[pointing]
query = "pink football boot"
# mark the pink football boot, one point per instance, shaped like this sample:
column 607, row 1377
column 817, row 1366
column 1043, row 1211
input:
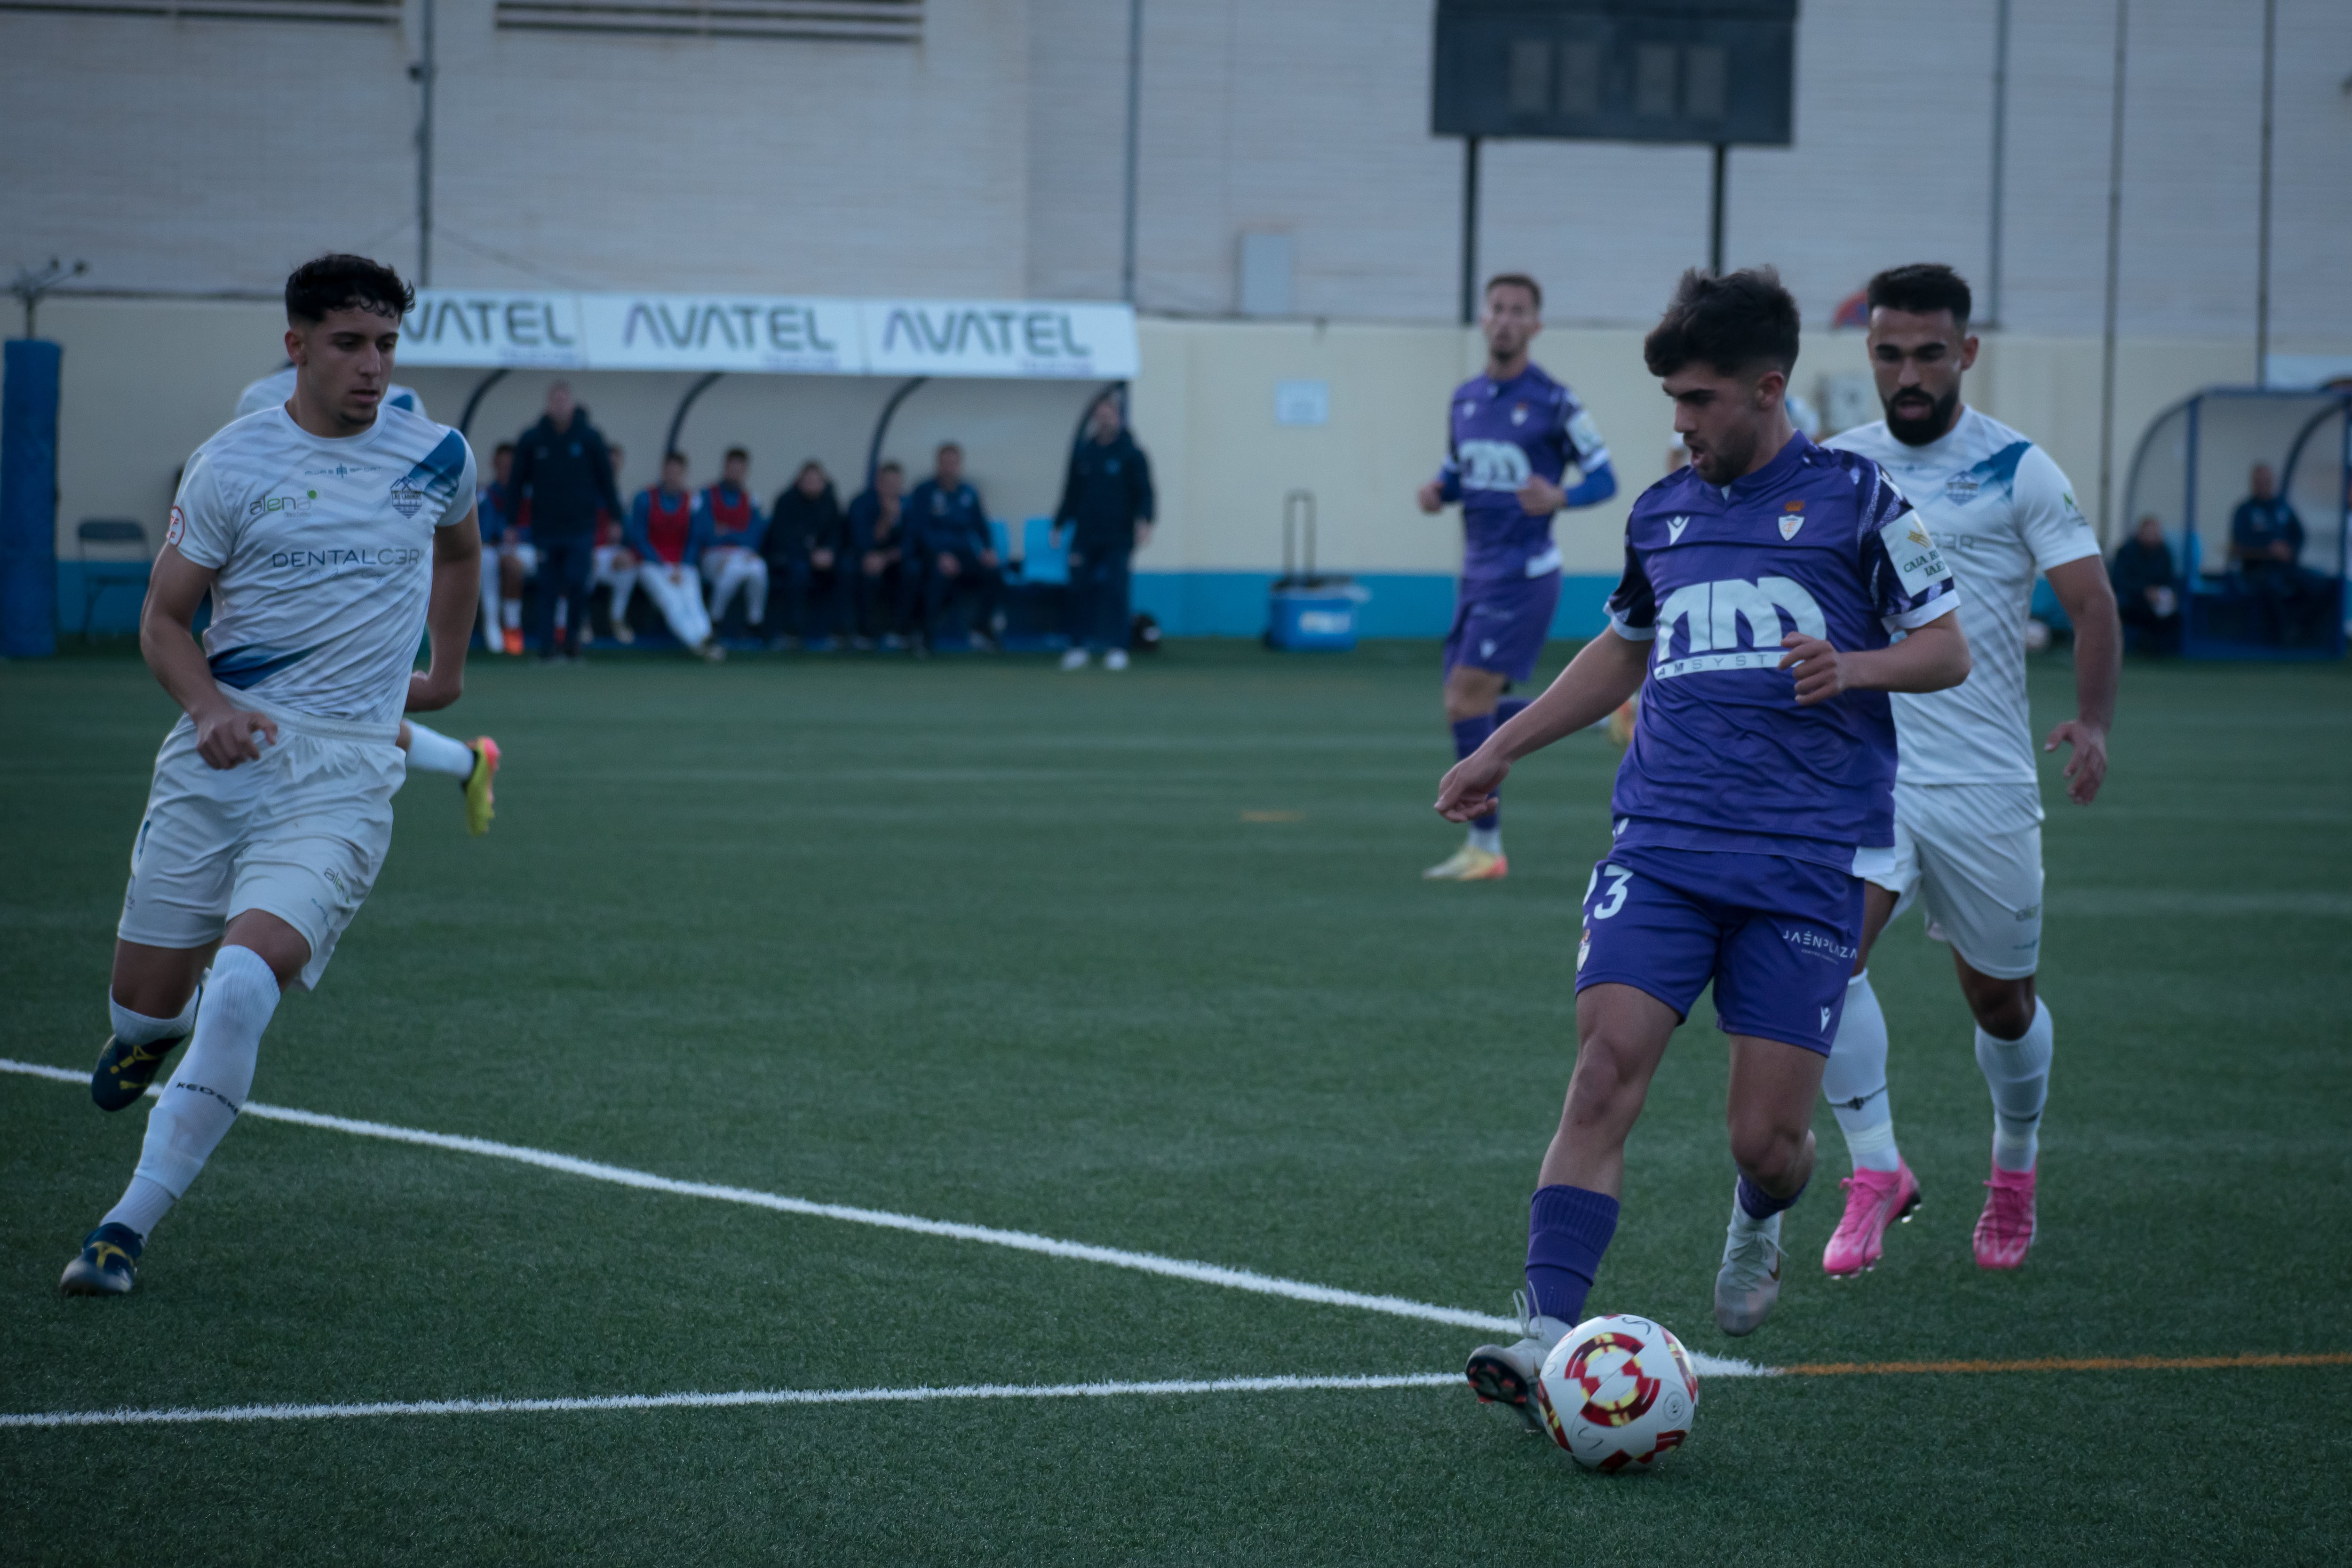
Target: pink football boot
column 2005, row 1229
column 1873, row 1199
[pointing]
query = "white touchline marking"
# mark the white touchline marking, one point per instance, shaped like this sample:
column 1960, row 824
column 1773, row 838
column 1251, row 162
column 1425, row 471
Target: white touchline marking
column 127, row 1418
column 1021, row 1240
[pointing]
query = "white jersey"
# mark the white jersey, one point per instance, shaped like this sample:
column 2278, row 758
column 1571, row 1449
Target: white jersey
column 272, row 391
column 323, row 550
column 2000, row 510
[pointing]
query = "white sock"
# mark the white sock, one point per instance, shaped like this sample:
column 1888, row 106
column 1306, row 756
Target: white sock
column 206, row 1093
column 511, row 615
column 138, row 1029
column 1487, row 839
column 2018, row 1073
column 1854, row 1081
column 436, row 753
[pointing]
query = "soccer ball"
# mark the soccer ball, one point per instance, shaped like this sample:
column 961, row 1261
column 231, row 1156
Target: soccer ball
column 1617, row 1393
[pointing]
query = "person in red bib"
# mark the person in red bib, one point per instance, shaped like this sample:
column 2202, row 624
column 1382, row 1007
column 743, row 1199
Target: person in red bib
column 668, row 532
column 731, row 561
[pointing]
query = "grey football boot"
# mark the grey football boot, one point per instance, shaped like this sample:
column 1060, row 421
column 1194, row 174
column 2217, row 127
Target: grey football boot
column 1749, row 1280
column 1504, row 1375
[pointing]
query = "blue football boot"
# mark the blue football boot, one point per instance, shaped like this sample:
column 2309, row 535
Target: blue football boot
column 125, row 1071
column 108, row 1264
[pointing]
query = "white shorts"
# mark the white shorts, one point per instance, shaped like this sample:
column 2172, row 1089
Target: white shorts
column 301, row 834
column 1973, row 852
column 524, row 555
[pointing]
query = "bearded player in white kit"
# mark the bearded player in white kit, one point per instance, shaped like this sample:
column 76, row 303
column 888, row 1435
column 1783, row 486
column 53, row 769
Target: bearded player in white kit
column 1967, row 805
column 328, row 531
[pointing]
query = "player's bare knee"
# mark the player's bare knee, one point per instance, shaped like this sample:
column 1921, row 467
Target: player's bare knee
column 2003, row 1009
column 1769, row 1151
column 1607, row 1087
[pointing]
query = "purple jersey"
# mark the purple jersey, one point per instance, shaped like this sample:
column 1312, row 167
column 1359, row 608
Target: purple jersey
column 1817, row 541
column 1500, row 434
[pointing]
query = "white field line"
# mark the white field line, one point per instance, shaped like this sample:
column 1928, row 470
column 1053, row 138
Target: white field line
column 1020, row 1240
column 189, row 1416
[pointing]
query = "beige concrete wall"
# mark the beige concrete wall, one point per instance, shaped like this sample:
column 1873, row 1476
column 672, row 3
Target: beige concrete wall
column 147, row 380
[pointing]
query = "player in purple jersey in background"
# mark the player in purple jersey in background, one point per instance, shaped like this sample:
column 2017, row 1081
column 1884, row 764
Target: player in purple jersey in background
column 1763, row 586
column 1511, row 433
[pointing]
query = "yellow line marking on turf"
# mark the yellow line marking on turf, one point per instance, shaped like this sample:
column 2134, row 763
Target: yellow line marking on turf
column 2065, row 1364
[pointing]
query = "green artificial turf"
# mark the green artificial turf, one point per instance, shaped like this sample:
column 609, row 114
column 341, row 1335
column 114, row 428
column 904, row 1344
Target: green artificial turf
column 978, row 941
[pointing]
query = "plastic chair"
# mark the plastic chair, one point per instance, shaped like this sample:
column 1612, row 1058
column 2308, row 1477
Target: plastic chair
column 1000, row 539
column 97, row 576
column 1043, row 560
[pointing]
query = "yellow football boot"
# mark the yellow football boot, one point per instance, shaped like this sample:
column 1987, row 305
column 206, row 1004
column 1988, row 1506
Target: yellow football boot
column 479, row 797
column 1469, row 864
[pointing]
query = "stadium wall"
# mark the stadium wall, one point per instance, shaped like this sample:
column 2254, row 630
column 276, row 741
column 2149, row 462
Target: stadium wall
column 145, row 382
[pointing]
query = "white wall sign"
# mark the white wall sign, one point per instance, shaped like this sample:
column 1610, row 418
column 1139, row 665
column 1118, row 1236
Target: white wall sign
column 1302, row 403
column 772, row 334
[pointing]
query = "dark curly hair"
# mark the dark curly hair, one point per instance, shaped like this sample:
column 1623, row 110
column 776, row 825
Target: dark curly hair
column 1922, row 289
column 340, row 282
column 1737, row 323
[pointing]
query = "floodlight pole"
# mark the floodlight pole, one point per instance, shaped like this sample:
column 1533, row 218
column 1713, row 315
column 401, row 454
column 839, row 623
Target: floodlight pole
column 1715, row 211
column 423, row 71
column 1134, row 143
column 2262, row 258
column 1469, row 230
column 2000, row 161
column 2114, row 257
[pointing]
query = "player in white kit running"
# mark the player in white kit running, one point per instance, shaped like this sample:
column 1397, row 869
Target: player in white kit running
column 330, row 533
column 475, row 763
column 1968, row 803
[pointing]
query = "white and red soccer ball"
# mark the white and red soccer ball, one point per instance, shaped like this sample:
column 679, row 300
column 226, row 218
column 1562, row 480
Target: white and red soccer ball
column 1618, row 1393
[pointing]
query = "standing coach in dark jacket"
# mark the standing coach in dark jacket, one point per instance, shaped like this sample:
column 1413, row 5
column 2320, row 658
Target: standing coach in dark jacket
column 1106, row 510
column 563, row 468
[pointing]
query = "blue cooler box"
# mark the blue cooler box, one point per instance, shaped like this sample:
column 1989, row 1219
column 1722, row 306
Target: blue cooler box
column 1321, row 619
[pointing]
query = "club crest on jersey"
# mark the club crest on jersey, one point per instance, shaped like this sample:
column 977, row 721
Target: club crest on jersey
column 1961, row 488
column 1675, row 527
column 406, row 497
column 1519, row 413
column 1793, row 518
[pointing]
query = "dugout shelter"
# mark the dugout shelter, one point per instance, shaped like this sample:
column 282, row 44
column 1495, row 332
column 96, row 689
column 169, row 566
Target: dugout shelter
column 2191, row 469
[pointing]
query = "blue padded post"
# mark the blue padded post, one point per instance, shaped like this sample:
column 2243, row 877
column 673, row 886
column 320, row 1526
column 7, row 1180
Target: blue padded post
column 28, row 499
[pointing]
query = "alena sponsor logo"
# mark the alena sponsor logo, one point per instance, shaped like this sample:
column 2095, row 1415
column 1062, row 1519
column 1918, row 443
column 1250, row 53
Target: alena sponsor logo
column 338, row 558
column 262, row 506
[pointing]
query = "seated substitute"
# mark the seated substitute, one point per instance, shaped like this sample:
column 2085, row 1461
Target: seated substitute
column 2147, row 599
column 809, row 543
column 614, row 565
column 667, row 532
column 949, row 533
column 2265, row 544
column 886, row 577
column 731, row 562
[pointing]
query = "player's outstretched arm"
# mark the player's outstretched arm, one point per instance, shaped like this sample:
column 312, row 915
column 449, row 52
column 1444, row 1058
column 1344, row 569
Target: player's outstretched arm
column 2089, row 600
column 1604, row 673
column 167, row 641
column 449, row 615
column 1929, row 659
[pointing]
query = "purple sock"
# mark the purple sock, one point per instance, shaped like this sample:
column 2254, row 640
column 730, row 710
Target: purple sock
column 1569, row 1228
column 1761, row 1205
column 1469, row 734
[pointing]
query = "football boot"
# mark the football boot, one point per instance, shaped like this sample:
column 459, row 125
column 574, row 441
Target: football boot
column 2005, row 1229
column 1469, row 864
column 1749, row 1280
column 125, row 1071
column 1873, row 1199
column 1506, row 1374
column 481, row 798
column 108, row 1264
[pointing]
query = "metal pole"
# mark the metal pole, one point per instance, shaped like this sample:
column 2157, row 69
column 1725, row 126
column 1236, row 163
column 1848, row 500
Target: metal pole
column 2262, row 262
column 2114, row 255
column 1999, row 159
column 677, row 420
column 1134, row 143
column 882, row 425
column 1469, row 230
column 465, row 420
column 424, row 70
column 1714, row 213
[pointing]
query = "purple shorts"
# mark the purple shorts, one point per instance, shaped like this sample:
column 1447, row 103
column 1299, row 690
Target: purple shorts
column 1500, row 623
column 1775, row 937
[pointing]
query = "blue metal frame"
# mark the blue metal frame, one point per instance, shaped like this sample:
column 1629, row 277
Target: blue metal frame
column 2191, row 573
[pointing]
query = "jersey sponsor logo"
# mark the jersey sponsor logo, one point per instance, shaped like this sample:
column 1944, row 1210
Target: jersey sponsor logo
column 1675, row 527
column 1917, row 563
column 176, row 526
column 262, row 506
column 338, row 558
column 344, row 470
column 1494, row 465
column 1587, row 437
column 1818, row 945
column 1710, row 614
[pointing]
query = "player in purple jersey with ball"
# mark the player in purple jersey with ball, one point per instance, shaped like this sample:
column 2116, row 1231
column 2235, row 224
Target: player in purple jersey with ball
column 1512, row 433
column 1763, row 586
